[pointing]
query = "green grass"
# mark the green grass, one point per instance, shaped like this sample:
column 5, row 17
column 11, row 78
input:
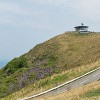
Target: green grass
column 92, row 93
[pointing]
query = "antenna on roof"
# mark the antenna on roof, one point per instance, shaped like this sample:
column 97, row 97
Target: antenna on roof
column 82, row 24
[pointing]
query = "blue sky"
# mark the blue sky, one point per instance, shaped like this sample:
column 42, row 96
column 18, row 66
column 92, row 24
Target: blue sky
column 25, row 23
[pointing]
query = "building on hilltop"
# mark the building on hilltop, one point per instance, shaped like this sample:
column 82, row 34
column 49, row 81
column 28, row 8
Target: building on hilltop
column 82, row 28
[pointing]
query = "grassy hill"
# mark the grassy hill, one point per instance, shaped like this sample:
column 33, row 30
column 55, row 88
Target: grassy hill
column 55, row 61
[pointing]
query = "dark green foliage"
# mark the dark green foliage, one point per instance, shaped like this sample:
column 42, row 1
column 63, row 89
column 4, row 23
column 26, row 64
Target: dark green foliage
column 32, row 76
column 9, row 75
column 15, row 64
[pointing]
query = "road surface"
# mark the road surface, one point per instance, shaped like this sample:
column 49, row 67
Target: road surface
column 75, row 83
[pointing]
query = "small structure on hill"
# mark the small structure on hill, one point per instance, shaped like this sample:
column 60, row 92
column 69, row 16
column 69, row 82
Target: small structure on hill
column 82, row 28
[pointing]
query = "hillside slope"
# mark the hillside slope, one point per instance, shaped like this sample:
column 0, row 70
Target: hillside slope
column 56, row 55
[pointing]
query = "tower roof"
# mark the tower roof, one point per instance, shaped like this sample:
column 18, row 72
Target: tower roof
column 81, row 26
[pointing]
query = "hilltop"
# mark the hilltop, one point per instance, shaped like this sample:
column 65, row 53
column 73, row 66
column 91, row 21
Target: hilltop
column 61, row 53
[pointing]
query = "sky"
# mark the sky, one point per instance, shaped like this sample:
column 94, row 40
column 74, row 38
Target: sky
column 26, row 23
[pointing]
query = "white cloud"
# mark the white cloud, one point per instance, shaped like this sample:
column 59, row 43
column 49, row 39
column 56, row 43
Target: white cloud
column 85, row 8
column 15, row 9
column 88, row 9
column 5, row 21
column 10, row 13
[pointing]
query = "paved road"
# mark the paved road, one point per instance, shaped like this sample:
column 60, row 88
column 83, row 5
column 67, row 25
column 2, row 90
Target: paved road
column 75, row 83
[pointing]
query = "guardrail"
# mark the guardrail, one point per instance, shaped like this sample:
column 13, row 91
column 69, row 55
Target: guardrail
column 74, row 83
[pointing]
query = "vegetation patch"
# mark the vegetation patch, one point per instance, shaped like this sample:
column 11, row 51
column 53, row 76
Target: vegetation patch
column 92, row 93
